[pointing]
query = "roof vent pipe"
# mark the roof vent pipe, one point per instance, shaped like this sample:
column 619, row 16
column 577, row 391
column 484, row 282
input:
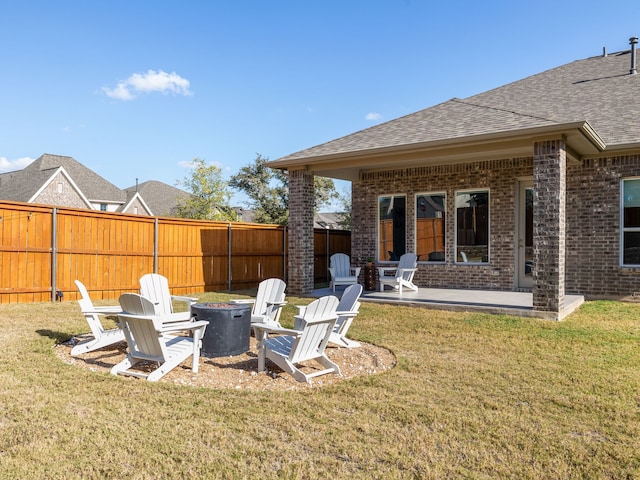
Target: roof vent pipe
column 633, row 41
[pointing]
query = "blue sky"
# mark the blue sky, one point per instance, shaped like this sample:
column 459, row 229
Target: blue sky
column 138, row 88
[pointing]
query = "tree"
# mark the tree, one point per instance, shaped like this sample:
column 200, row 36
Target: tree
column 209, row 194
column 344, row 217
column 268, row 191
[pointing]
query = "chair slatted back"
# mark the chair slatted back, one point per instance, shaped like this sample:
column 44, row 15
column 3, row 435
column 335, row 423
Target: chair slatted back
column 316, row 326
column 341, row 264
column 269, row 291
column 141, row 327
column 408, row 260
column 155, row 287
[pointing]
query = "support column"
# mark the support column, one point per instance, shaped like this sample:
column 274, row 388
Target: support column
column 301, row 194
column 549, row 226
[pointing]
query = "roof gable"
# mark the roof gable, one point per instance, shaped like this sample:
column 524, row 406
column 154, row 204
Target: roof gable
column 22, row 185
column 160, row 198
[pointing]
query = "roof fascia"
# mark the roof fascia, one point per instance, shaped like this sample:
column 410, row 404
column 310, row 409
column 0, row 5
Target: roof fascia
column 581, row 140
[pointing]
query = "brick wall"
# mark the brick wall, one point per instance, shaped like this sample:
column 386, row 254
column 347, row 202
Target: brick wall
column 593, row 228
column 498, row 176
column 592, row 221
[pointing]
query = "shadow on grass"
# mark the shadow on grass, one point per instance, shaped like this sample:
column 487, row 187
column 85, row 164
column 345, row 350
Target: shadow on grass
column 59, row 337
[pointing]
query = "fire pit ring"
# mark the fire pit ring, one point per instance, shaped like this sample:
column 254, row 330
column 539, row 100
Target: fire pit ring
column 229, row 329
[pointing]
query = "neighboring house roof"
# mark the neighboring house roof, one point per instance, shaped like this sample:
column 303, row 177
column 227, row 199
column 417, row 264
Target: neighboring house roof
column 160, row 198
column 593, row 102
column 328, row 220
column 22, row 185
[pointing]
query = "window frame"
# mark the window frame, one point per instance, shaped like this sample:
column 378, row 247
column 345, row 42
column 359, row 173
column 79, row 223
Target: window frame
column 443, row 194
column 378, row 220
column 455, row 239
column 624, row 229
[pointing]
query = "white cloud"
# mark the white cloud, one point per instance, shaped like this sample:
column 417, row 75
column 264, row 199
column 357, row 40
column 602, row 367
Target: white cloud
column 13, row 165
column 151, row 81
column 373, row 116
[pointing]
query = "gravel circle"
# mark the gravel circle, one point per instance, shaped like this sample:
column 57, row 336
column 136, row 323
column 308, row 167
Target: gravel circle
column 240, row 371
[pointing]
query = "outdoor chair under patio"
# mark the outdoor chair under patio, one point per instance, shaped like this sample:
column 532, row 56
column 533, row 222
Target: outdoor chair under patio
column 403, row 274
column 288, row 348
column 268, row 303
column 341, row 271
column 149, row 339
column 101, row 337
column 155, row 288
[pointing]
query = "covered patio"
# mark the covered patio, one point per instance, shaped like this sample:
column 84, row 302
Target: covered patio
column 519, row 304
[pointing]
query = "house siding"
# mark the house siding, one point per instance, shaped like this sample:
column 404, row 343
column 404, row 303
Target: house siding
column 69, row 197
column 592, row 226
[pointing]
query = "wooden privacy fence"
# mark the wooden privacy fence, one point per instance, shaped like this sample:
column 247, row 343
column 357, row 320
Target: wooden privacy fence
column 43, row 249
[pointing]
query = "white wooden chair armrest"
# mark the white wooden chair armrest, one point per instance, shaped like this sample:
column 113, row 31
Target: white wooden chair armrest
column 347, row 314
column 408, row 269
column 246, row 301
column 272, row 329
column 383, row 270
column 277, row 304
column 104, row 310
column 180, row 298
column 179, row 326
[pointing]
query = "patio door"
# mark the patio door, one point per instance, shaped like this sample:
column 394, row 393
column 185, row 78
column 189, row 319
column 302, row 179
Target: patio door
column 524, row 234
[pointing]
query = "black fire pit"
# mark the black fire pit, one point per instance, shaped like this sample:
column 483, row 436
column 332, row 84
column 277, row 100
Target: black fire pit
column 229, row 328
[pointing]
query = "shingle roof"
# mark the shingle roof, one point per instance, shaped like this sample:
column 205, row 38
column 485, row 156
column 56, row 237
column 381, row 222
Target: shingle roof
column 598, row 90
column 20, row 186
column 161, row 198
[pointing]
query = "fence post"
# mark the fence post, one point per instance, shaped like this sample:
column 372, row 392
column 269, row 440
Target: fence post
column 156, row 241
column 54, row 253
column 284, row 253
column 229, row 259
column 326, row 271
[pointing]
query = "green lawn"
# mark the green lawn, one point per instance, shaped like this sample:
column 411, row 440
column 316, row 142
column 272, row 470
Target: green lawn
column 472, row 396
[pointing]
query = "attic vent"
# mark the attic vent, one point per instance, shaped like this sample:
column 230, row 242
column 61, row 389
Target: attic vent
column 633, row 41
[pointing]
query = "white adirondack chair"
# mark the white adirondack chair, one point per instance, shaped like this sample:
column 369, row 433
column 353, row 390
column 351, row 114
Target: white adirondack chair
column 155, row 287
column 287, row 348
column 268, row 303
column 341, row 271
column 403, row 274
column 346, row 311
column 147, row 339
column 101, row 337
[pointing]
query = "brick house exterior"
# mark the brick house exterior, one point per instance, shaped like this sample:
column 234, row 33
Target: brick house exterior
column 537, row 182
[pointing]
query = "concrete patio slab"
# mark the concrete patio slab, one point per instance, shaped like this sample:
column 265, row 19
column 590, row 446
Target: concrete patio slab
column 486, row 301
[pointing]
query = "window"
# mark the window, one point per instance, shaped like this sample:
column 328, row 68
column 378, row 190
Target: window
column 103, row 207
column 60, row 187
column 472, row 226
column 430, row 226
column 391, row 228
column 630, row 220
